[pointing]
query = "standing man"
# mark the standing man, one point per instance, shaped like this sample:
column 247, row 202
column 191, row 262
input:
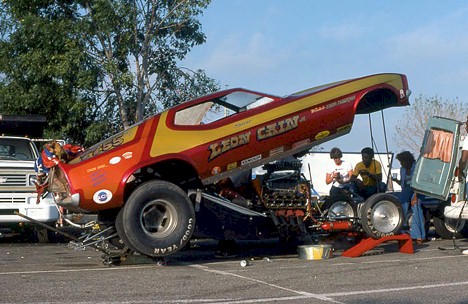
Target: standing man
column 370, row 171
column 462, row 165
column 339, row 172
column 464, row 157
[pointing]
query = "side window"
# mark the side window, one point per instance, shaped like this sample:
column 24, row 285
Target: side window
column 201, row 114
column 439, row 145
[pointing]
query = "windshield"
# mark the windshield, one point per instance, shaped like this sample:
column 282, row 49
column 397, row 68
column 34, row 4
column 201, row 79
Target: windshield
column 220, row 107
column 16, row 149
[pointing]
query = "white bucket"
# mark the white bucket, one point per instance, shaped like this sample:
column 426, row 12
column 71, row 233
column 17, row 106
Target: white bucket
column 315, row 252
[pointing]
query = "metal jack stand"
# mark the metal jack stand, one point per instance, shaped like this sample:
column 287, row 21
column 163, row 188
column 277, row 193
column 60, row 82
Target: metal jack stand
column 96, row 240
column 75, row 240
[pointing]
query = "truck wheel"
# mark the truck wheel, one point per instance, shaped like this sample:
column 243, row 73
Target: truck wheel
column 448, row 228
column 340, row 207
column 382, row 215
column 157, row 220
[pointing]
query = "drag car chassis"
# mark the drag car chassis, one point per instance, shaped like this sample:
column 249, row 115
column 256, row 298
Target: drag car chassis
column 144, row 180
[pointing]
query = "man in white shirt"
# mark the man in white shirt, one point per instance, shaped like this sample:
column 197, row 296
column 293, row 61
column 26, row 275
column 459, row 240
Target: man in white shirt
column 338, row 172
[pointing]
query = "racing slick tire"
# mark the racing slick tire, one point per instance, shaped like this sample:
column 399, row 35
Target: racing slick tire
column 340, row 207
column 382, row 215
column 157, row 220
column 448, row 228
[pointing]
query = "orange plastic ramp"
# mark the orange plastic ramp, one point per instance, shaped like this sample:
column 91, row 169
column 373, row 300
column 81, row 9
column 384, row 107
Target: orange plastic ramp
column 404, row 242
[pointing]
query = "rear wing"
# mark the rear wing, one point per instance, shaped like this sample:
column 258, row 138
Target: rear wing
column 437, row 161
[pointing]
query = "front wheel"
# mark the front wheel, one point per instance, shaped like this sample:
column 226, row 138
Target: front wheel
column 382, row 215
column 157, row 220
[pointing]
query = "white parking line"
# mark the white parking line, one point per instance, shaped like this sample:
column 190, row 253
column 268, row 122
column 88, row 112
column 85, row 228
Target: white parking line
column 328, row 297
column 301, row 294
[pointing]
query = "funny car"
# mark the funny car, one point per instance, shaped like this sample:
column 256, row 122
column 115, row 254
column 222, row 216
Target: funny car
column 158, row 181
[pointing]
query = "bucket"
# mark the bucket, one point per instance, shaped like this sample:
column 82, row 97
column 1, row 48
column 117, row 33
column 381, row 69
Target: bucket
column 315, row 252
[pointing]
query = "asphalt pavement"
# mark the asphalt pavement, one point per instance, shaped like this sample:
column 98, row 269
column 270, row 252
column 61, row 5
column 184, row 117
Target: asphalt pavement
column 55, row 273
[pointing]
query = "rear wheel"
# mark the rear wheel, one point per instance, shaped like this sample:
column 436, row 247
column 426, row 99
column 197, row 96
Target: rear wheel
column 157, row 220
column 382, row 215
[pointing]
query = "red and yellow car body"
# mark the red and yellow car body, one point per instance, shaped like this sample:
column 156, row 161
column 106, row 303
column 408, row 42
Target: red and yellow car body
column 178, row 145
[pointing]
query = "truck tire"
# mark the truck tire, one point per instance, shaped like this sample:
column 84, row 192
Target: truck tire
column 382, row 215
column 157, row 220
column 449, row 228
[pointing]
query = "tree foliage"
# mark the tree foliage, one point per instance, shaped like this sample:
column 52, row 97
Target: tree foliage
column 412, row 125
column 94, row 67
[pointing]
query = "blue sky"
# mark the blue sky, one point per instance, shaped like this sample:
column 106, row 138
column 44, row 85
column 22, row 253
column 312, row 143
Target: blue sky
column 280, row 47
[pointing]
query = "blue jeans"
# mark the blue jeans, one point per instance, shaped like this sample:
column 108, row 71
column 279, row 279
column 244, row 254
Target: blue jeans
column 339, row 191
column 368, row 191
column 418, row 228
column 405, row 198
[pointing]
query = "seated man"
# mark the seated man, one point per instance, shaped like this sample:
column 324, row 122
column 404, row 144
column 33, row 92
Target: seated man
column 338, row 173
column 370, row 171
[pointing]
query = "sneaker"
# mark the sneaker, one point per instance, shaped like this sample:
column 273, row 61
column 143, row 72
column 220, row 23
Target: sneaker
column 465, row 252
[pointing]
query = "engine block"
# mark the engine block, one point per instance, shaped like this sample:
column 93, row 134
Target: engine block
column 292, row 197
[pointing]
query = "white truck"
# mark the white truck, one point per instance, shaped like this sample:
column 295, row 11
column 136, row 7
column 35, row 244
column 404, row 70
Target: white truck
column 17, row 188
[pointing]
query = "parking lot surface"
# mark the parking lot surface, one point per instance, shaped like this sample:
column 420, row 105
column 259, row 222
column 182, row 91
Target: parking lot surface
column 55, row 273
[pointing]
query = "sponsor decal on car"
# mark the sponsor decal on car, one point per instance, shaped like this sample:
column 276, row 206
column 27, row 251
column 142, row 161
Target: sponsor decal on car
column 109, row 144
column 226, row 145
column 251, row 160
column 322, row 134
column 216, row 170
column 232, row 166
column 102, row 196
column 97, row 178
column 278, row 128
column 115, row 160
column 277, row 150
column 344, row 128
column 127, row 155
column 301, row 143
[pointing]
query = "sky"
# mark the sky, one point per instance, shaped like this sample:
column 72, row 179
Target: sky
column 280, row 47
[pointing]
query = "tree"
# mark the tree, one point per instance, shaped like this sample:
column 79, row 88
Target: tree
column 410, row 129
column 102, row 65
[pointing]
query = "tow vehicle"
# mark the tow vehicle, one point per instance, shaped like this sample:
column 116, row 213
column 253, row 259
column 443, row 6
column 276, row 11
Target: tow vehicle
column 436, row 176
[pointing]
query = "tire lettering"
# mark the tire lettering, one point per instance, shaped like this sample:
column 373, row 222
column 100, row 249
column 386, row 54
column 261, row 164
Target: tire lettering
column 188, row 232
column 175, row 247
column 166, row 250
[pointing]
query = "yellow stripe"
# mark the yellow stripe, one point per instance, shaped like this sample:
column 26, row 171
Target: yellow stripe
column 174, row 141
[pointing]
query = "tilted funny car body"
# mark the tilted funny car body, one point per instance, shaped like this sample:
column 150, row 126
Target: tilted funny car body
column 197, row 143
